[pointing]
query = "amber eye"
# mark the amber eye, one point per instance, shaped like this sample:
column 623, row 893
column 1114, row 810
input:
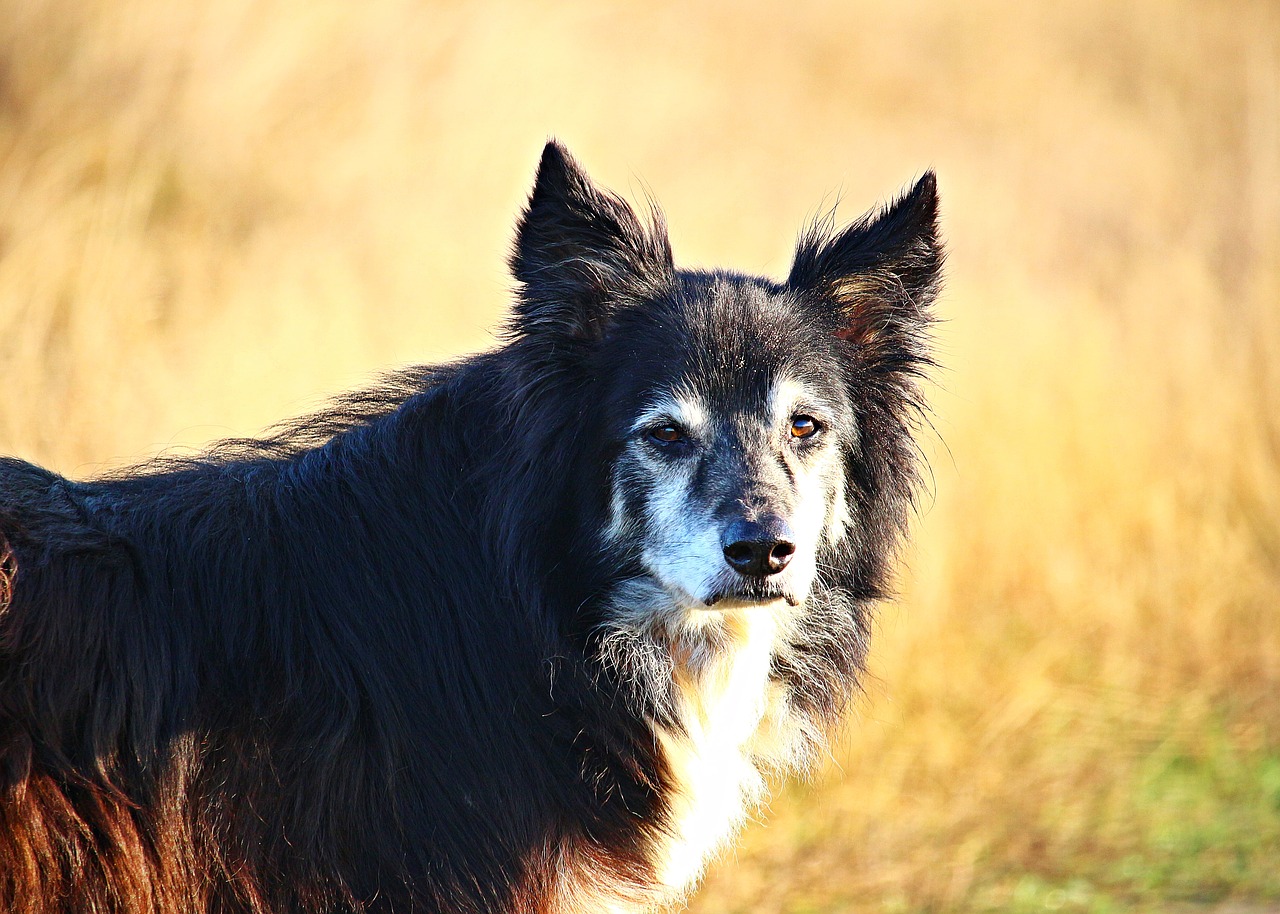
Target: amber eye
column 666, row 434
column 803, row 426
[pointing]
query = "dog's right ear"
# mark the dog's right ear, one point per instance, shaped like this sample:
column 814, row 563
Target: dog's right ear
column 579, row 250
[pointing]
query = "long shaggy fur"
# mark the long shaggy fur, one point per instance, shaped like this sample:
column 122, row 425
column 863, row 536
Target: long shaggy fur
column 367, row 664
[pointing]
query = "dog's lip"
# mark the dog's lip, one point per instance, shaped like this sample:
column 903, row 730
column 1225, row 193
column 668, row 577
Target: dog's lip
column 750, row 596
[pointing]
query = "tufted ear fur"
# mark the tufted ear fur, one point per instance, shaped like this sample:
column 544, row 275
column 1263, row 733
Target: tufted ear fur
column 882, row 274
column 578, row 250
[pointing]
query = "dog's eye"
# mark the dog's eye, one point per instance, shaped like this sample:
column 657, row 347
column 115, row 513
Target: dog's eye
column 666, row 434
column 803, row 426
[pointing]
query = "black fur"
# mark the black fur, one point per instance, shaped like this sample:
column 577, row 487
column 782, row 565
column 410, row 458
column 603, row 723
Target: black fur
column 356, row 666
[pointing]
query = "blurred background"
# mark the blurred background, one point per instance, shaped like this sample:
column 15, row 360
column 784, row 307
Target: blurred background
column 212, row 215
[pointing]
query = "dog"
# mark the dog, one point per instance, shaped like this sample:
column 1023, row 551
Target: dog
column 528, row 632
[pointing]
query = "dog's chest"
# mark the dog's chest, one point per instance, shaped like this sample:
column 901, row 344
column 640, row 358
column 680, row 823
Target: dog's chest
column 726, row 703
column 734, row 717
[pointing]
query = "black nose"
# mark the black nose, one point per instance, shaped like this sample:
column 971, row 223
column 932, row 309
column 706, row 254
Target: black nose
column 758, row 550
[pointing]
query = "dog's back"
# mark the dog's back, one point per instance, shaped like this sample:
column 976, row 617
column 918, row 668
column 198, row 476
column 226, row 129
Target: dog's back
column 285, row 678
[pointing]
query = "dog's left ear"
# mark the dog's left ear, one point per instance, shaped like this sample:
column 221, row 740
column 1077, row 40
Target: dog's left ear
column 881, row 274
column 579, row 250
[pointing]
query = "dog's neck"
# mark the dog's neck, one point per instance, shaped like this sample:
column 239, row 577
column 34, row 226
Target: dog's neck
column 723, row 692
column 721, row 719
column 725, row 719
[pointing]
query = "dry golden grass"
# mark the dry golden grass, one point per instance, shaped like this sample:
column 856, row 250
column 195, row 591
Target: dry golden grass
column 212, row 214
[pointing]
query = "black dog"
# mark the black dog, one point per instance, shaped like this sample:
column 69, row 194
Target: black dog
column 520, row 633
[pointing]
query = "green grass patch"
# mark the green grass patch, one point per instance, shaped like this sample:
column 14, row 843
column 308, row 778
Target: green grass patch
column 1196, row 824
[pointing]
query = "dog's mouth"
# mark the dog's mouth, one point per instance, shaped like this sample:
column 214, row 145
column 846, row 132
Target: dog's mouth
column 752, row 594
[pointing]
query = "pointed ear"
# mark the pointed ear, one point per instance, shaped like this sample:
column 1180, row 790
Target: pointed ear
column 881, row 274
column 579, row 249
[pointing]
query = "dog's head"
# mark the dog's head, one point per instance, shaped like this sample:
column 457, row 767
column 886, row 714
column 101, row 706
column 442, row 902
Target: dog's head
column 752, row 434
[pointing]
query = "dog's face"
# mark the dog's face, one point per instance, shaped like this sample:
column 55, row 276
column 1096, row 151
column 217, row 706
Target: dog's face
column 746, row 428
column 730, row 424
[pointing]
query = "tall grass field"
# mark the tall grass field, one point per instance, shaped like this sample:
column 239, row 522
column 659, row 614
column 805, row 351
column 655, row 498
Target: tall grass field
column 215, row 214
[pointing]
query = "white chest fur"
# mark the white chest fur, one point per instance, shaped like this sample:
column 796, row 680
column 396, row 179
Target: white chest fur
column 726, row 705
column 734, row 719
